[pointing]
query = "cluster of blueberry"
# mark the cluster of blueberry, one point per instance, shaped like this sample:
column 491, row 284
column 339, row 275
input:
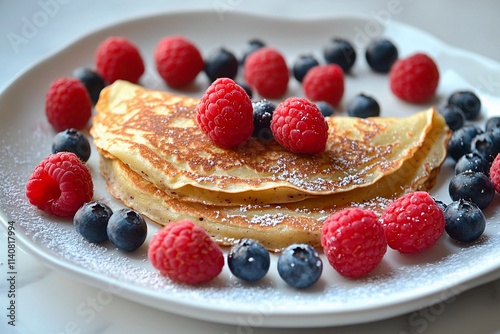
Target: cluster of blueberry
column 474, row 149
column 299, row 265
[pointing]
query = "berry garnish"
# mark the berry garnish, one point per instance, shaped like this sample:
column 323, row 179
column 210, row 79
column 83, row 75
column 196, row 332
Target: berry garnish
column 60, row 185
column 185, row 253
column 91, row 221
column 381, row 54
column 299, row 126
column 127, row 229
column 266, row 72
column 92, row 81
column 326, row 108
column 67, row 104
column 118, row 58
column 495, row 173
column 72, row 140
column 472, row 162
column 341, row 52
column 414, row 79
column 461, row 140
column 300, row 266
column 468, row 102
column 178, row 61
column 262, row 115
column 221, row 63
column 363, row 106
column 453, row 116
column 485, row 145
column 413, row 223
column 465, row 221
column 474, row 187
column 225, row 113
column 302, row 65
column 324, row 83
column 353, row 241
column 248, row 260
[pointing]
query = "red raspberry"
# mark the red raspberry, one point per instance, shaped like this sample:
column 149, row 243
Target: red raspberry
column 353, row 241
column 60, row 185
column 413, row 222
column 225, row 113
column 495, row 173
column 117, row 58
column 178, row 61
column 266, row 71
column 324, row 83
column 185, row 253
column 415, row 78
column 298, row 125
column 67, row 104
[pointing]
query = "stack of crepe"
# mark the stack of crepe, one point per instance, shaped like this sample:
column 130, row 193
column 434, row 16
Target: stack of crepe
column 156, row 160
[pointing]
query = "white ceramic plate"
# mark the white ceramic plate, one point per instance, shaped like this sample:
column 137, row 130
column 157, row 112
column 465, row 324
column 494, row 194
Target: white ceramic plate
column 401, row 283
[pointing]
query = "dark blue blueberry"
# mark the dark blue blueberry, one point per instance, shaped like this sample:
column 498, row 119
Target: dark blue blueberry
column 484, row 145
column 453, row 115
column 472, row 162
column 91, row 221
column 300, row 266
column 72, row 140
column 247, row 89
column 92, row 81
column 468, row 102
column 302, row 65
column 262, row 115
column 492, row 123
column 326, row 108
column 252, row 45
column 461, row 140
column 381, row 54
column 127, row 229
column 221, row 64
column 248, row 260
column 341, row 52
column 442, row 205
column 363, row 106
column 464, row 221
column 474, row 187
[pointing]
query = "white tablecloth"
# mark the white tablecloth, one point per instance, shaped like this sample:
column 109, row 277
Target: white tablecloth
column 48, row 301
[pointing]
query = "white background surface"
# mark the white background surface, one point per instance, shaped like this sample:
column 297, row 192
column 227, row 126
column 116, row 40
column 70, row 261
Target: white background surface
column 48, row 302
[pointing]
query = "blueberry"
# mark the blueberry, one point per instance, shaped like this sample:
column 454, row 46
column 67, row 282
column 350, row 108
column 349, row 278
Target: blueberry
column 453, row 115
column 341, row 52
column 302, row 65
column 72, row 140
column 472, row 162
column 464, row 221
column 262, row 116
column 252, row 45
column 474, row 187
column 326, row 108
column 300, row 266
column 221, row 64
column 246, row 88
column 468, row 102
column 460, row 142
column 484, row 145
column 127, row 229
column 91, row 221
column 492, row 124
column 363, row 106
column 248, row 260
column 92, row 81
column 442, row 205
column 381, row 54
